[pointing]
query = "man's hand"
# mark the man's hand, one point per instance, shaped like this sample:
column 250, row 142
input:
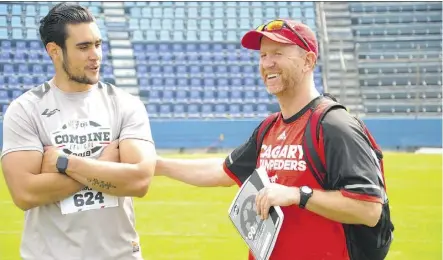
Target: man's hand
column 111, row 153
column 49, row 162
column 275, row 195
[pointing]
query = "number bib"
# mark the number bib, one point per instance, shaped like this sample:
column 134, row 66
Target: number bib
column 87, row 200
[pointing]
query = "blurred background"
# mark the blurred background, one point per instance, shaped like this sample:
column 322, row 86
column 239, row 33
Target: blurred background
column 202, row 90
column 204, row 95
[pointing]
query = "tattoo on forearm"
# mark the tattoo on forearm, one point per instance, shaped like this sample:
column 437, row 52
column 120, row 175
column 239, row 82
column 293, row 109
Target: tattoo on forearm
column 101, row 184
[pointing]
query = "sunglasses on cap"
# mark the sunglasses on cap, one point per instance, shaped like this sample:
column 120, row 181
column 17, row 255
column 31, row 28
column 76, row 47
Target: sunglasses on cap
column 279, row 25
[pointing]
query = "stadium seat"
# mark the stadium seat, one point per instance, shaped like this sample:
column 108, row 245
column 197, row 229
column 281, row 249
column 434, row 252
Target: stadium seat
column 4, row 108
column 193, row 110
column 179, row 110
column 165, row 111
column 4, row 97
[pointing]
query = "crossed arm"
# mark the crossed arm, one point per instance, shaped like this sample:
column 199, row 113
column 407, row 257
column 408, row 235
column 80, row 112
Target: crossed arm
column 31, row 185
column 131, row 177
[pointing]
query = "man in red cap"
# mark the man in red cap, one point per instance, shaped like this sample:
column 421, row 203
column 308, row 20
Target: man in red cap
column 315, row 218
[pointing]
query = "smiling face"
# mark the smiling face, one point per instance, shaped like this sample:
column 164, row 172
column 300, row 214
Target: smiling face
column 82, row 55
column 282, row 66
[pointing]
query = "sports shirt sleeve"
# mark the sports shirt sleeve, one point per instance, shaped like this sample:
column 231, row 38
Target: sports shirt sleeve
column 19, row 131
column 135, row 122
column 241, row 163
column 351, row 165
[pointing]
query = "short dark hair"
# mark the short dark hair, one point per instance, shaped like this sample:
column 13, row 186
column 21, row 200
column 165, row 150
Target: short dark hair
column 53, row 25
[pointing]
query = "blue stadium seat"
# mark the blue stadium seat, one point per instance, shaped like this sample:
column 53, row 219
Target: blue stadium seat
column 181, row 95
column 154, row 96
column 247, row 110
column 181, row 71
column 179, row 48
column 37, row 69
column 221, row 71
column 222, row 96
column 250, row 96
column 168, row 71
column 183, row 83
column 168, row 96
column 3, row 9
column 8, row 70
column 16, row 9
column 193, row 110
column 206, row 110
column 220, row 110
column 179, row 110
column 4, row 108
column 43, row 10
column 6, row 45
column 3, row 22
column 234, row 110
column 208, row 71
column 208, row 83
column 157, row 83
column 20, row 57
column 222, row 83
column 196, row 83
column 4, row 97
column 17, row 33
column 30, row 22
column 270, row 13
column 194, row 71
column 169, row 83
column 34, row 57
column 16, row 93
column 165, row 111
column 5, row 57
column 145, row 24
column 262, row 110
column 208, row 96
column 23, row 69
column 236, row 82
column 249, row 82
column 195, row 96
column 27, row 82
column 263, row 96
column 236, row 96
column 12, row 82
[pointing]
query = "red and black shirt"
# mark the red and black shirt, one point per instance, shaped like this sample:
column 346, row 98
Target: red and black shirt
column 351, row 168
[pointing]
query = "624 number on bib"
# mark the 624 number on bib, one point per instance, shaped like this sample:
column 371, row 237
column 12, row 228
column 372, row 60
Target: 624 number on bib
column 88, row 199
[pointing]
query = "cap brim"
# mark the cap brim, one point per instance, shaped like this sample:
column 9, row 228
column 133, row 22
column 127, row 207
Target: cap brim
column 251, row 40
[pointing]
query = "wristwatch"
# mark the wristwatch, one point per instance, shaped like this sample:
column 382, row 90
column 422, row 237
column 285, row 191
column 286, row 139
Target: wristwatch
column 62, row 163
column 305, row 194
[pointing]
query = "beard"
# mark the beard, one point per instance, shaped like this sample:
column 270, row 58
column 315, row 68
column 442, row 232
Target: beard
column 83, row 79
column 286, row 81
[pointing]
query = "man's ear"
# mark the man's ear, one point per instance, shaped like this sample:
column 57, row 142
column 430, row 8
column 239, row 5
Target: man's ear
column 310, row 61
column 53, row 50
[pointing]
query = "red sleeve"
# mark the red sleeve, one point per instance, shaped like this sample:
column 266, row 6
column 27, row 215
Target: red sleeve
column 363, row 197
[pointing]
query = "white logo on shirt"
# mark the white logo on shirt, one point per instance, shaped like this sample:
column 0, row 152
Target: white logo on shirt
column 81, row 137
column 282, row 136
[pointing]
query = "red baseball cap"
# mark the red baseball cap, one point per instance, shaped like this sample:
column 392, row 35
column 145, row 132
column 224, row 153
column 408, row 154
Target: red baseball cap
column 251, row 40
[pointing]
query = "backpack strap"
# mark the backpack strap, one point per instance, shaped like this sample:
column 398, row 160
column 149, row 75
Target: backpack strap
column 264, row 127
column 378, row 154
column 314, row 158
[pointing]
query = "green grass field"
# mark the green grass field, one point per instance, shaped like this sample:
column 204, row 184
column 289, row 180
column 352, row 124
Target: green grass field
column 178, row 221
